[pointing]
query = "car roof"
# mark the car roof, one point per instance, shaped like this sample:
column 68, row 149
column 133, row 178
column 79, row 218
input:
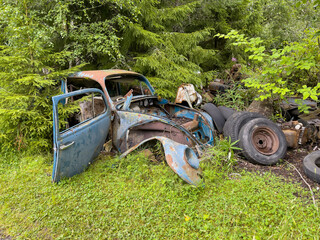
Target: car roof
column 100, row 75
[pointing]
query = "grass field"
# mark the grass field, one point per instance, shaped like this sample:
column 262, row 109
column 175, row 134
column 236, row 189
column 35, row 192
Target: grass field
column 133, row 198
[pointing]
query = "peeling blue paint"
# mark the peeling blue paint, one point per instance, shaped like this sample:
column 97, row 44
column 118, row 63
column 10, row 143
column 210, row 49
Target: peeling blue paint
column 181, row 159
column 75, row 148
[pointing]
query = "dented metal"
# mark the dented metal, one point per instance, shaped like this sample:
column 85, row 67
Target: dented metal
column 295, row 133
column 134, row 119
column 181, row 159
column 187, row 93
column 76, row 148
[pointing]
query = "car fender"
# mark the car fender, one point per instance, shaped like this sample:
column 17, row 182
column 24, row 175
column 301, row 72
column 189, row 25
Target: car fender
column 181, row 159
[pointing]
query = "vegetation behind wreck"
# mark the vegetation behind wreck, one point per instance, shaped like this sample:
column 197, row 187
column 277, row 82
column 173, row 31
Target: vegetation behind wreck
column 171, row 42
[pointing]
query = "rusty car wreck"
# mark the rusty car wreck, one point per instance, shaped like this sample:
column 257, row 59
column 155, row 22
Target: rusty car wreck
column 123, row 107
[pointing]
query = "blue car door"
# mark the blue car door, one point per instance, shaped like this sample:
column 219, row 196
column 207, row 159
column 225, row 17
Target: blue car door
column 77, row 144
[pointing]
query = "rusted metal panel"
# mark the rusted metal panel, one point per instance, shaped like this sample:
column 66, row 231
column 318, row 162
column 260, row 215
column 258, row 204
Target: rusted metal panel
column 156, row 128
column 180, row 129
column 192, row 125
column 181, row 159
column 292, row 137
column 101, row 75
column 76, row 147
column 186, row 93
column 164, row 127
column 295, row 133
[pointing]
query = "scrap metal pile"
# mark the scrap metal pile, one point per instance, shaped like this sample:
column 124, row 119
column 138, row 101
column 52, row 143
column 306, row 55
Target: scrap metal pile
column 261, row 140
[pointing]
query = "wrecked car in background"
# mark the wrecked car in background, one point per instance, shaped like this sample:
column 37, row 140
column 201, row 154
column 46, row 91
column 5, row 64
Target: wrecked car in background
column 122, row 106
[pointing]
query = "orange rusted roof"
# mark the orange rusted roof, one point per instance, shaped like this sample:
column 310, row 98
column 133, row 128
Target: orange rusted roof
column 100, row 75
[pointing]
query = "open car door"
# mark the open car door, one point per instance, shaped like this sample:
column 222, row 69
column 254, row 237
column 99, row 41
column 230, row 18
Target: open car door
column 78, row 139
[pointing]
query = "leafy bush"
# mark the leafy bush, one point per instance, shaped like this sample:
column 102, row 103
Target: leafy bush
column 163, row 51
column 279, row 73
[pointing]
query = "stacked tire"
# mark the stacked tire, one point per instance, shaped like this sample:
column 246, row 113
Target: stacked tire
column 260, row 140
column 219, row 114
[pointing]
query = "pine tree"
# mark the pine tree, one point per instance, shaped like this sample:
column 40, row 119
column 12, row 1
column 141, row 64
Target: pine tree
column 42, row 42
column 161, row 47
column 27, row 78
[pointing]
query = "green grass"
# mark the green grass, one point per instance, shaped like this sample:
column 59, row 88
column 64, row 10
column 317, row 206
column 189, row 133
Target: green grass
column 135, row 199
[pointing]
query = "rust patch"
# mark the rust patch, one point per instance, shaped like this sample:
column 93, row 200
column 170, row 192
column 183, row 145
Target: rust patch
column 171, row 163
column 192, row 125
column 194, row 174
column 100, row 75
column 169, row 159
column 265, row 140
column 145, row 131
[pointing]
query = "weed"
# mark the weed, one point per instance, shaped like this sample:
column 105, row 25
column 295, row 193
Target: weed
column 235, row 97
column 221, row 155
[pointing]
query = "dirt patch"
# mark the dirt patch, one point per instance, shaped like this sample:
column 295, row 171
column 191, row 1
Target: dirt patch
column 3, row 236
column 285, row 169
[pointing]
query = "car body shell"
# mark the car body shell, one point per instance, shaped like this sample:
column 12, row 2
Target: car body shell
column 130, row 121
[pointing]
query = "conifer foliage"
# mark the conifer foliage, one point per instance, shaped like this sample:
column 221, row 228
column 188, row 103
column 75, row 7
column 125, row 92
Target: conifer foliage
column 28, row 78
column 42, row 41
column 170, row 41
column 163, row 49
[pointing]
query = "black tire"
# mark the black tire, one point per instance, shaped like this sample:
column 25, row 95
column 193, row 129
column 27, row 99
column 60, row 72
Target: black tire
column 235, row 122
column 262, row 141
column 226, row 111
column 216, row 115
column 304, row 122
column 311, row 166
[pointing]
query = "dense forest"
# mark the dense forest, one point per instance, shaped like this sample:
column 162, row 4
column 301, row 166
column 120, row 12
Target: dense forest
column 171, row 42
